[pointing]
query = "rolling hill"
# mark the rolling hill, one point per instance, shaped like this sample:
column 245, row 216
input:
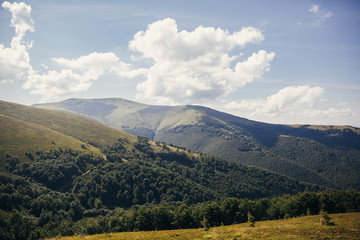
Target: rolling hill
column 323, row 155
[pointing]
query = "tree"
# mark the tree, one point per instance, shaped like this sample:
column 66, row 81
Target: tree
column 182, row 217
column 251, row 220
column 205, row 224
column 325, row 219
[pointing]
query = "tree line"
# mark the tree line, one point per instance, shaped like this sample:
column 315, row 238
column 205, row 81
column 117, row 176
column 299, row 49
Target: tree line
column 58, row 215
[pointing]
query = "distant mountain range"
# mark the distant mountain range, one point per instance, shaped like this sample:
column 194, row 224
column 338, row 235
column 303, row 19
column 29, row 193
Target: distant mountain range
column 71, row 154
column 324, row 155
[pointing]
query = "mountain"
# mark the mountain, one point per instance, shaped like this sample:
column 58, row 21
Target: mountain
column 62, row 174
column 51, row 148
column 323, row 155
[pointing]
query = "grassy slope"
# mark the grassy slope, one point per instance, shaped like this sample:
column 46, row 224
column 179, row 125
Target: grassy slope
column 92, row 132
column 28, row 129
column 346, row 227
column 18, row 137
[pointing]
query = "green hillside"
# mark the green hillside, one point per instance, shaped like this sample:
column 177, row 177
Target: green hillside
column 86, row 130
column 327, row 155
column 19, row 137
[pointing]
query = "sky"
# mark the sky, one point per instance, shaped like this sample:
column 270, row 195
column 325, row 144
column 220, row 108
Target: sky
column 287, row 62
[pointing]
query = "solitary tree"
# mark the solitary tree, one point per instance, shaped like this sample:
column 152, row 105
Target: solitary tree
column 205, row 223
column 325, row 219
column 251, row 219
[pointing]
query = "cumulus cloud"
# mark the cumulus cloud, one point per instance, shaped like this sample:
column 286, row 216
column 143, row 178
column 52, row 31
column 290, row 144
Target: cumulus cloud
column 187, row 66
column 54, row 84
column 320, row 15
column 96, row 64
column 75, row 76
column 21, row 19
column 15, row 60
column 78, row 75
column 193, row 66
column 295, row 101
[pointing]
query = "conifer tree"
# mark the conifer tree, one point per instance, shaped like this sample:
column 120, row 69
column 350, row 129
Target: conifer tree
column 251, row 220
column 205, row 223
column 325, row 219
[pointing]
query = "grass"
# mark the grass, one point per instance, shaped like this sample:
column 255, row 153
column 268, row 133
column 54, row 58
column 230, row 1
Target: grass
column 18, row 137
column 94, row 133
column 28, row 129
column 347, row 226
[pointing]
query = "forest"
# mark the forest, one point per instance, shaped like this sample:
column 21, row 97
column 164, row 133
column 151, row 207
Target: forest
column 152, row 186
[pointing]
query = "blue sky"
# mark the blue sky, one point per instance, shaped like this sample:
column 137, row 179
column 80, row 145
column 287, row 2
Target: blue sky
column 274, row 61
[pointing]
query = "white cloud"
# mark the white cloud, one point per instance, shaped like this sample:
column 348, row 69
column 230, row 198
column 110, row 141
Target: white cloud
column 21, row 19
column 54, row 84
column 14, row 63
column 96, row 64
column 194, row 66
column 294, row 101
column 320, row 15
column 15, row 60
column 78, row 75
column 291, row 96
column 188, row 66
column 330, row 113
column 314, row 8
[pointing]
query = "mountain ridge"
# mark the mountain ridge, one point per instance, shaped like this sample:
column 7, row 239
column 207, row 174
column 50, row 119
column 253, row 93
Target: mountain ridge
column 145, row 171
column 233, row 138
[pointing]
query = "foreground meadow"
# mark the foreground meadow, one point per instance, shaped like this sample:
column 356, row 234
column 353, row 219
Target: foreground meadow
column 347, row 226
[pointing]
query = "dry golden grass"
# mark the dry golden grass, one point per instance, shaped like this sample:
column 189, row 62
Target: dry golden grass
column 347, row 226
